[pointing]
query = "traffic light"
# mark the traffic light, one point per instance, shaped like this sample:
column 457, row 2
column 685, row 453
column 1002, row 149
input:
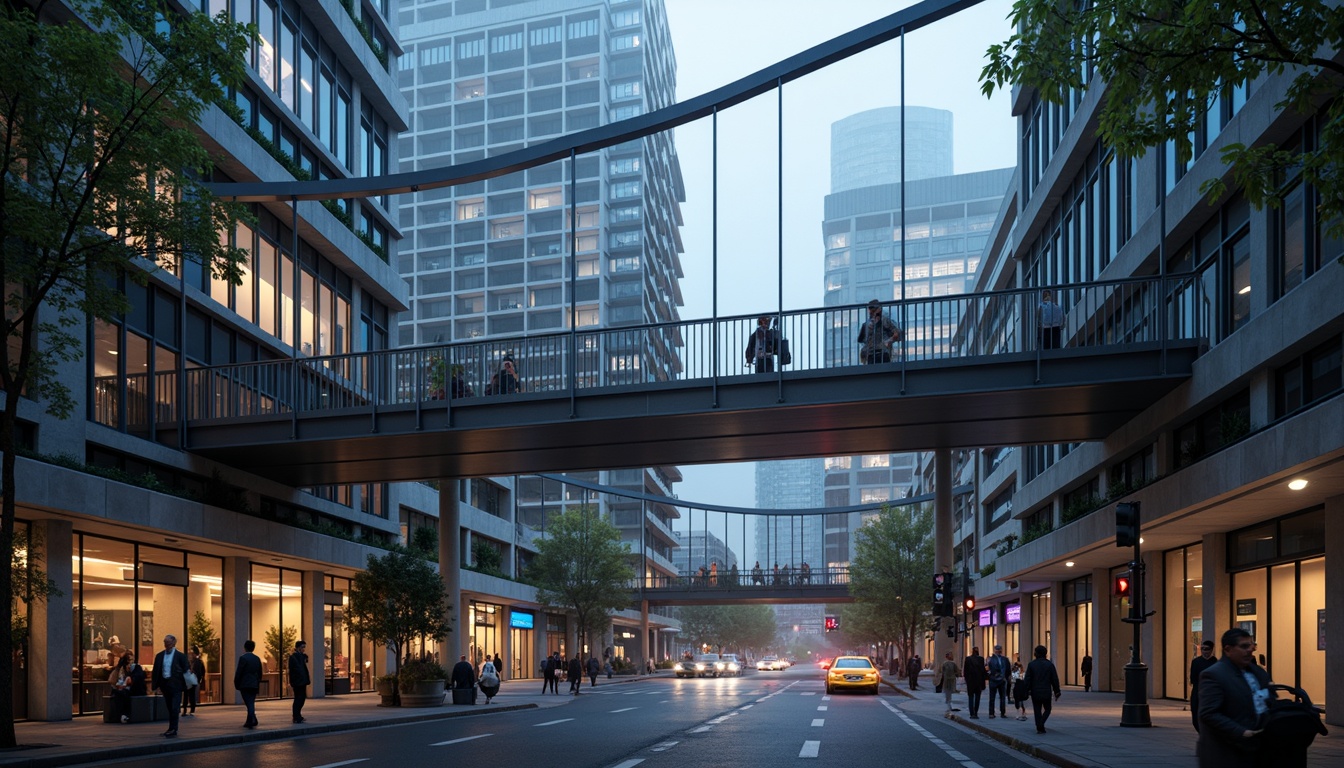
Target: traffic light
column 1127, row 524
column 832, row 623
column 942, row 594
column 969, row 603
column 1124, row 586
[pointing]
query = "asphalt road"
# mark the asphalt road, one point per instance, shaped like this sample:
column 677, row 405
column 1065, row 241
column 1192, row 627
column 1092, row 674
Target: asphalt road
column 760, row 719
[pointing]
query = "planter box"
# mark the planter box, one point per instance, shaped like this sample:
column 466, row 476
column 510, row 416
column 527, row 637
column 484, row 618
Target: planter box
column 386, row 690
column 426, row 693
column 464, row 696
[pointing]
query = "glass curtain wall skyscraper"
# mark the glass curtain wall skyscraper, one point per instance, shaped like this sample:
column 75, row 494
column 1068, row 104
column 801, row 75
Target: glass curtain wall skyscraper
column 493, row 258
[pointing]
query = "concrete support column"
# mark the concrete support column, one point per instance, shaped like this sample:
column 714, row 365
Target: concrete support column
column 450, row 568
column 315, row 623
column 51, row 634
column 1334, row 604
column 942, row 541
column 506, row 644
column 1102, row 616
column 1154, row 651
column 1217, row 601
column 644, row 649
column 1026, row 633
column 237, row 623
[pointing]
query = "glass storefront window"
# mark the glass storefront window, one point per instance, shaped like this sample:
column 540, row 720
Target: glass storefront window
column 276, row 611
column 1183, row 623
column 485, row 621
column 205, row 623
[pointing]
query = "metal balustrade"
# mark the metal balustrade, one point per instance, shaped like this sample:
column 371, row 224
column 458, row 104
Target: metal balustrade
column 966, row 328
column 835, row 576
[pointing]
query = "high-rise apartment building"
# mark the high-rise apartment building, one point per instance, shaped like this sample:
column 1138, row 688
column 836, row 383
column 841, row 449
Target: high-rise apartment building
column 866, row 148
column 493, row 258
column 789, row 484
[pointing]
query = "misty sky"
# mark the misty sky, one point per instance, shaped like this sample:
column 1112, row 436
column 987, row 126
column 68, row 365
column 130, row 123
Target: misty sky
column 718, row 41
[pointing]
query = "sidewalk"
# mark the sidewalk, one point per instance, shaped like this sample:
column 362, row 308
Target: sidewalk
column 1084, row 730
column 87, row 739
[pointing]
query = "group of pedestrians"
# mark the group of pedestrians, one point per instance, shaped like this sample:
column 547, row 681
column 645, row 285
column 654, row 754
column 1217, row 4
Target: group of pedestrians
column 1038, row 683
column 781, row 577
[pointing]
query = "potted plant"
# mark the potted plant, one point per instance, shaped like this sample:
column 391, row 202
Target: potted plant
column 422, row 683
column 386, row 686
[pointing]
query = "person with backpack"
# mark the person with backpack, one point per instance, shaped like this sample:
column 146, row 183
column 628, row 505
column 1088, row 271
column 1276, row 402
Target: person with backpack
column 877, row 335
column 489, row 682
column 763, row 345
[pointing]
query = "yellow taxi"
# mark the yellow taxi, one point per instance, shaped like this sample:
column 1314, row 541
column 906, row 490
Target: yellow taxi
column 853, row 672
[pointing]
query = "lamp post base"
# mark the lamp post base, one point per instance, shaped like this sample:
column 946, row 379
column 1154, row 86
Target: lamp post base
column 1134, row 713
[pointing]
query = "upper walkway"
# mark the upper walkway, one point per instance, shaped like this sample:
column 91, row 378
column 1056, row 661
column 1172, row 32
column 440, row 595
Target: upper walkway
column 596, row 399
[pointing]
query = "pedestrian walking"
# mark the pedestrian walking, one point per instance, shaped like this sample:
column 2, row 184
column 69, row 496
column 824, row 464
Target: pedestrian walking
column 489, row 683
column 912, row 669
column 464, row 676
column 575, row 675
column 1203, row 661
column 499, row 666
column 548, row 674
column 247, row 681
column 1086, row 669
column 1042, row 680
column 170, row 667
column 191, row 696
column 947, row 679
column 999, row 671
column 1233, row 699
column 1020, row 691
column 299, row 678
column 594, row 667
column 974, row 672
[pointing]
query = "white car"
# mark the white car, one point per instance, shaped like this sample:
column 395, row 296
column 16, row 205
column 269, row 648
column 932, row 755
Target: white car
column 768, row 664
column 728, row 665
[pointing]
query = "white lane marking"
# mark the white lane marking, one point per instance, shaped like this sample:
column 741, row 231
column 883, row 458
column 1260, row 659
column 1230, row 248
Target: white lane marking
column 827, row 697
column 629, row 763
column 627, row 709
column 663, row 746
column 343, row 762
column 822, row 708
column 633, row 693
column 961, row 758
column 819, row 722
column 701, row 729
column 456, row 741
column 553, row 722
column 810, row 693
column 810, row 749
column 745, row 707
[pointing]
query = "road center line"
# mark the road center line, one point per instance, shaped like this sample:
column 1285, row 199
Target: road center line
column 822, row 708
column 627, row 709
column 344, row 762
column 553, row 722
column 810, row 749
column 629, row 763
column 961, row 758
column 819, row 722
column 457, row 741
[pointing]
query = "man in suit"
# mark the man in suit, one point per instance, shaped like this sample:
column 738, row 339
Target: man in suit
column 170, row 665
column 299, row 679
column 247, row 681
column 1233, row 695
column 1203, row 661
column 999, row 670
column 974, row 672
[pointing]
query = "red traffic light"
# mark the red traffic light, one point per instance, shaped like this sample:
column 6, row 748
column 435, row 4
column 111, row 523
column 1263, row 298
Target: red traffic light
column 970, row 604
column 1123, row 585
column 832, row 623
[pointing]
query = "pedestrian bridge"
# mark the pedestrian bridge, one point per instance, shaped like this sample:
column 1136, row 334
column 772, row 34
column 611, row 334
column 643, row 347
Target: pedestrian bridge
column 596, row 399
column 818, row 585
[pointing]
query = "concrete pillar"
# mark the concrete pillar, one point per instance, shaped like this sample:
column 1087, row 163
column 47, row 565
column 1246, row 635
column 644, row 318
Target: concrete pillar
column 1217, row 601
column 1026, row 633
column 51, row 634
column 942, row 540
column 1334, row 603
column 643, row 636
column 234, row 599
column 314, row 623
column 1102, row 616
column 1154, row 651
column 450, row 568
column 506, row 643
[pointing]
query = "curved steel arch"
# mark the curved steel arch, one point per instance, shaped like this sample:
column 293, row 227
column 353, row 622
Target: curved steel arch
column 762, row 81
column 805, row 512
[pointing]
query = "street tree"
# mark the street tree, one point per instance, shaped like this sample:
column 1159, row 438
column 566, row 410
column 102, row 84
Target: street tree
column 397, row 598
column 102, row 180
column 867, row 624
column 583, row 567
column 891, row 570
column 729, row 626
column 1165, row 64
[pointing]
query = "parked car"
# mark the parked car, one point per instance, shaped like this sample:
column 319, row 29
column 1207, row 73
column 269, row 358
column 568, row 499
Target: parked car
column 853, row 672
column 729, row 666
column 768, row 664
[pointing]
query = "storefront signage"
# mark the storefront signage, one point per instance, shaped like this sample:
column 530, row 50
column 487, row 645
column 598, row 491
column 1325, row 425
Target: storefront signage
column 1246, row 607
column 1012, row 613
column 520, row 620
column 987, row 617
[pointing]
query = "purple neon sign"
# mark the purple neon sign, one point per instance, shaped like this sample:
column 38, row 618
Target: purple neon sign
column 1012, row 613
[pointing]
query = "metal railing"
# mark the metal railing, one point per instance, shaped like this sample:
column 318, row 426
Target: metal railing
column 1109, row 315
column 790, row 576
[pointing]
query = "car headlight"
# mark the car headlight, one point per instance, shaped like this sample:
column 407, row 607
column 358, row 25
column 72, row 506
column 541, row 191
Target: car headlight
column 677, row 667
column 700, row 666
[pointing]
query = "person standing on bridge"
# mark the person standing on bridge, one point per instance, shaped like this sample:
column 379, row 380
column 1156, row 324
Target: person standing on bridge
column 1050, row 319
column 505, row 381
column 763, row 345
column 757, row 577
column 714, row 573
column 877, row 335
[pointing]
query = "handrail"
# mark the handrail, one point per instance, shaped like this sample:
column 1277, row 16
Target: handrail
column 762, row 81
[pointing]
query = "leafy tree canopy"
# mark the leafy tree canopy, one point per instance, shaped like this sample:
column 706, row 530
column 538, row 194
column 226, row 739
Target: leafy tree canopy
column 101, row 168
column 1165, row 62
column 398, row 598
column 583, row 567
column 723, row 627
column 891, row 575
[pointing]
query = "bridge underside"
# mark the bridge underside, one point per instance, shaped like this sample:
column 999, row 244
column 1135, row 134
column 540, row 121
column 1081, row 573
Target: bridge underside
column 1070, row 396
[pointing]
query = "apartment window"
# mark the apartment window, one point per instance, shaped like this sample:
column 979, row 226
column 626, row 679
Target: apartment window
column 624, row 165
column 581, row 29
column 506, row 228
column 626, row 112
column 625, row 90
column 625, row 189
column 545, row 199
column 546, row 35
column 625, row 18
column 624, row 213
column 508, row 41
column 470, row 49
column 473, row 209
column 1307, row 379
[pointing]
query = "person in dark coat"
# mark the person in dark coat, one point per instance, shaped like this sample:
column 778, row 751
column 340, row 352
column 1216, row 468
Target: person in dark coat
column 999, row 671
column 974, row 673
column 128, row 679
column 912, row 668
column 594, row 666
column 1203, row 661
column 1086, row 669
column 1233, row 695
column 464, row 676
column 170, row 665
column 575, row 675
column 192, row 696
column 247, row 681
column 299, row 679
column 1042, row 680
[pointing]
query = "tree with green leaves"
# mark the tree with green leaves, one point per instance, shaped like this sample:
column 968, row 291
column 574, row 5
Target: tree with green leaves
column 729, row 626
column 891, row 570
column 397, row 598
column 201, row 633
column 1165, row 63
column 102, row 173
column 583, row 567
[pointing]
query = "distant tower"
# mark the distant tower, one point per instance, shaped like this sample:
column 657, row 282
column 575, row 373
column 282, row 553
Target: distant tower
column 866, row 148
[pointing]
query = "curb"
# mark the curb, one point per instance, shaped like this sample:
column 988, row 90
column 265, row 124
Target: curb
column 169, row 746
column 1025, row 747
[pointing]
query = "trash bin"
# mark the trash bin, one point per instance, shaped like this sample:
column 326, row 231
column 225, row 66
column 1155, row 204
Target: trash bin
column 464, row 695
